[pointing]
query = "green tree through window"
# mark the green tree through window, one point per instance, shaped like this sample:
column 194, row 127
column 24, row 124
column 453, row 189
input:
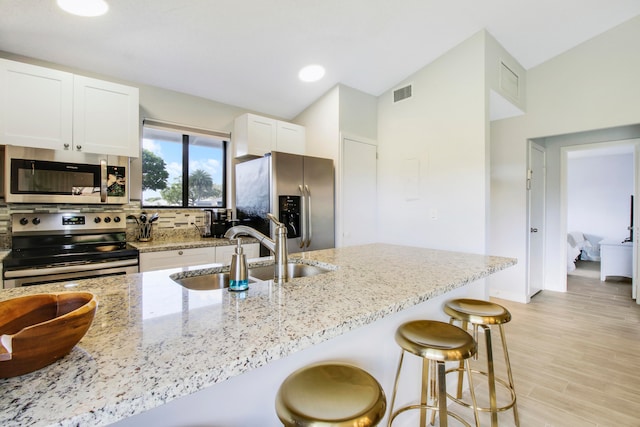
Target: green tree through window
column 170, row 159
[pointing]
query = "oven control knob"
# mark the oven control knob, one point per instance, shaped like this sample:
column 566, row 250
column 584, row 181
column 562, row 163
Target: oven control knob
column 107, row 219
column 24, row 221
column 116, row 219
column 97, row 220
column 35, row 221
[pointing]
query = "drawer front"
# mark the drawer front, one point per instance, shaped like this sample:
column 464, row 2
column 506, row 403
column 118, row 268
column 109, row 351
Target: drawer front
column 150, row 261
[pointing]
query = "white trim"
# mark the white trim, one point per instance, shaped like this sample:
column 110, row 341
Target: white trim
column 543, row 228
column 564, row 155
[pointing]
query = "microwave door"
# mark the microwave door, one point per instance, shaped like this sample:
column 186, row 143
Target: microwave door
column 35, row 181
column 50, row 176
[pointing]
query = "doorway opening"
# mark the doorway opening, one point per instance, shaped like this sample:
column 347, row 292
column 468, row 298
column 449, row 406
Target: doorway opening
column 599, row 198
column 557, row 230
column 599, row 203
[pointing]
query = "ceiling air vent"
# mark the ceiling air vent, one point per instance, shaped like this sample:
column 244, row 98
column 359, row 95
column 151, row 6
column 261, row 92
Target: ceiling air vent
column 402, row 93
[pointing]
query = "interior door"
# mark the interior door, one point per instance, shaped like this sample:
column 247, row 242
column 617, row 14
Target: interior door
column 359, row 192
column 634, row 219
column 536, row 187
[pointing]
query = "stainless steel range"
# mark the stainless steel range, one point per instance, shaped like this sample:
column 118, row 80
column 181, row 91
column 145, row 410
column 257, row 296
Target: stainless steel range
column 51, row 247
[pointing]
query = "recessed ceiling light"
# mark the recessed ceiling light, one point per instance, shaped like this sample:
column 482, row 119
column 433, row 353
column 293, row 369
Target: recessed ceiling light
column 84, row 7
column 311, row 73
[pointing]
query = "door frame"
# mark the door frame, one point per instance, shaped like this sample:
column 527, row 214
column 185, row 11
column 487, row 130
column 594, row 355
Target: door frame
column 562, row 239
column 534, row 146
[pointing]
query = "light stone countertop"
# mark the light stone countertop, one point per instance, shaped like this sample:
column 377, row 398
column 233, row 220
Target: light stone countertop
column 153, row 341
column 186, row 243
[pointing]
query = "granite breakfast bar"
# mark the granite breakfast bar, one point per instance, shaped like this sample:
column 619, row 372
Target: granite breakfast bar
column 165, row 355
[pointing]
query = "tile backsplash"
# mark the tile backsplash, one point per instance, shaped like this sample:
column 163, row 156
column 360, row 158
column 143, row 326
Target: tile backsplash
column 171, row 223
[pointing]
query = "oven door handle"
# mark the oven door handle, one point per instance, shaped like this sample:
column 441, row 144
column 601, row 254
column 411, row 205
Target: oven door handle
column 14, row 274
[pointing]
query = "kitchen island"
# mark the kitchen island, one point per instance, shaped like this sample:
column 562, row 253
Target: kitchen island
column 217, row 357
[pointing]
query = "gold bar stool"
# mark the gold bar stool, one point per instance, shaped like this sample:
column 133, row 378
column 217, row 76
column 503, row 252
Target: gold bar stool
column 330, row 395
column 436, row 343
column 484, row 314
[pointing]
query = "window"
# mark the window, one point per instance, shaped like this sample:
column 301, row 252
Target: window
column 182, row 167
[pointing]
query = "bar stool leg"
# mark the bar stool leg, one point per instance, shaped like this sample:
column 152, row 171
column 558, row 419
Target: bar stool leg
column 432, row 388
column 472, row 391
column 464, row 326
column 395, row 388
column 516, row 418
column 442, row 392
column 493, row 404
column 424, row 392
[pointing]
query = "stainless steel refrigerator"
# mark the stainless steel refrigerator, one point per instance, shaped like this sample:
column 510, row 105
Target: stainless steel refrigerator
column 298, row 190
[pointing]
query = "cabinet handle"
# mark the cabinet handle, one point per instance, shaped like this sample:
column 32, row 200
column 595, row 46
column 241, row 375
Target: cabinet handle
column 180, row 252
column 66, row 146
column 79, row 147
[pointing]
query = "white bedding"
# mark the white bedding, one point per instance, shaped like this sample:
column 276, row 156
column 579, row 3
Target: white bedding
column 576, row 244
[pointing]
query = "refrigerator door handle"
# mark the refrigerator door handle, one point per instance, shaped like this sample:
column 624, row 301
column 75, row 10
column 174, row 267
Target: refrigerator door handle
column 309, row 226
column 303, row 216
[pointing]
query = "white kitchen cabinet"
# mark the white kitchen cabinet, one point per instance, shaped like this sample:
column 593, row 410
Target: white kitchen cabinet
column 150, row 261
column 45, row 108
column 290, row 138
column 105, row 117
column 223, row 253
column 252, row 250
column 160, row 260
column 257, row 135
column 36, row 107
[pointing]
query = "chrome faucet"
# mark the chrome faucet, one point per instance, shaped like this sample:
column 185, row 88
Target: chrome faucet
column 277, row 245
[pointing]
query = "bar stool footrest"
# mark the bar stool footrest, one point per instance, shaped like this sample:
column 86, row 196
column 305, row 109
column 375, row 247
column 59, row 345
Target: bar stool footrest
column 428, row 408
column 479, row 408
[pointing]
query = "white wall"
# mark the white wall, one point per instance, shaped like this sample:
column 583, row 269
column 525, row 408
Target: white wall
column 593, row 86
column 598, row 195
column 432, row 167
column 322, row 123
column 341, row 111
column 498, row 79
column 358, row 113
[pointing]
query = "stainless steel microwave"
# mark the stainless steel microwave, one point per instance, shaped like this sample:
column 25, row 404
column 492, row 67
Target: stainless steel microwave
column 35, row 175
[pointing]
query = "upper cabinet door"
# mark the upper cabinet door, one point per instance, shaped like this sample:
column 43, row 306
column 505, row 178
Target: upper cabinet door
column 291, row 138
column 257, row 135
column 105, row 117
column 254, row 135
column 36, row 105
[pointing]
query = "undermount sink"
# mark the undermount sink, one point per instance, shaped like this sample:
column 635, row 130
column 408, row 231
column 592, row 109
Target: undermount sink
column 206, row 282
column 211, row 281
column 293, row 270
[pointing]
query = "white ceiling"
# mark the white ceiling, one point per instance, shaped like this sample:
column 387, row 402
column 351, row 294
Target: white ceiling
column 248, row 52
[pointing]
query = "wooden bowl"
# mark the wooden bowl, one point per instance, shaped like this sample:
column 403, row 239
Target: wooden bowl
column 36, row 330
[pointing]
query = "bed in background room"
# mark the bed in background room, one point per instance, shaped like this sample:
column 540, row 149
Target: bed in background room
column 581, row 247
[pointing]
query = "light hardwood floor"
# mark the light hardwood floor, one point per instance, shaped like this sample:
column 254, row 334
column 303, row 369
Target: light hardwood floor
column 575, row 356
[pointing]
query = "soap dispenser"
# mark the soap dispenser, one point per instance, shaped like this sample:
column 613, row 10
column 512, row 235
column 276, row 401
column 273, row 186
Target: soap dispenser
column 238, row 275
